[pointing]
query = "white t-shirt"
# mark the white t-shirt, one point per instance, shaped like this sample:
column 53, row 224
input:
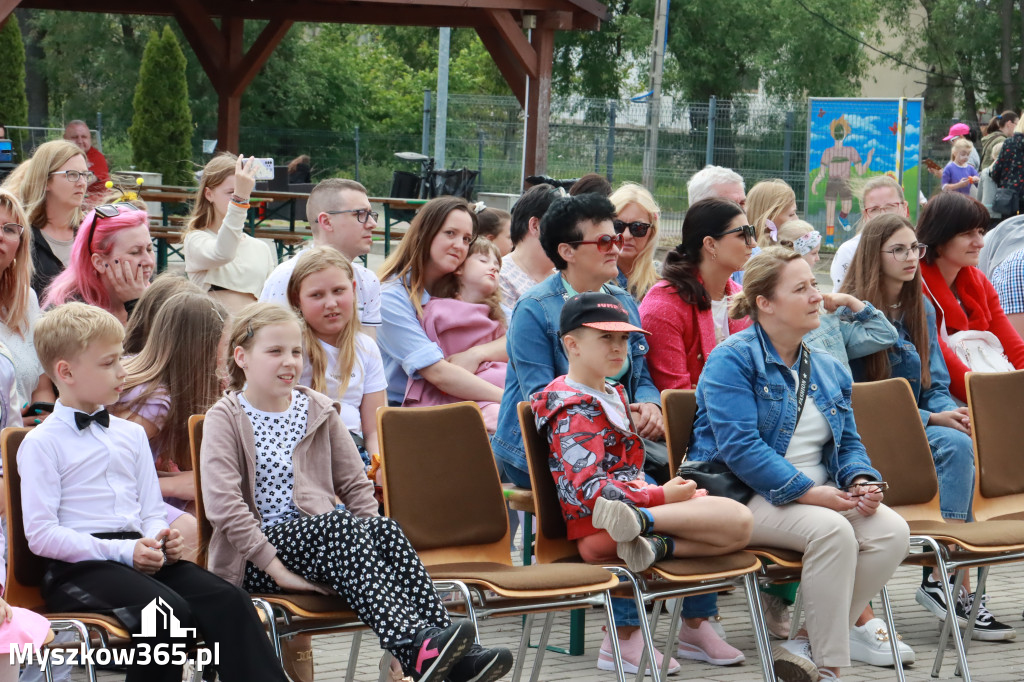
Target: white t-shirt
column 275, row 290
column 276, row 434
column 367, row 377
column 841, row 261
column 809, row 438
column 614, row 408
column 720, row 316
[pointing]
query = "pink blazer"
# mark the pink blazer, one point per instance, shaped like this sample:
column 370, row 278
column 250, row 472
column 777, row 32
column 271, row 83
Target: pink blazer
column 681, row 336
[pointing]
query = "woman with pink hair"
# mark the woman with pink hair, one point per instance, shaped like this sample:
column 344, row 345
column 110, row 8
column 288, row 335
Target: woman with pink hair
column 111, row 261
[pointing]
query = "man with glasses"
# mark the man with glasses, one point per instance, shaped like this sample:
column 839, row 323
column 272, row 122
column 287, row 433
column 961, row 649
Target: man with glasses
column 882, row 194
column 78, row 133
column 340, row 216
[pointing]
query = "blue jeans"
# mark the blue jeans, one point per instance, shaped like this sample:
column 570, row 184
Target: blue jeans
column 953, row 453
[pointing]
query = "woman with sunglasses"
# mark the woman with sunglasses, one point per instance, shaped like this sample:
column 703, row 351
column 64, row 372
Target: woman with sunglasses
column 686, row 312
column 637, row 221
column 52, row 187
column 885, row 272
column 953, row 226
column 19, row 308
column 219, row 256
column 111, row 261
column 577, row 235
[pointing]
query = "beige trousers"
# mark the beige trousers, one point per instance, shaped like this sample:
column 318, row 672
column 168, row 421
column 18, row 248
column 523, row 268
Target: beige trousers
column 848, row 559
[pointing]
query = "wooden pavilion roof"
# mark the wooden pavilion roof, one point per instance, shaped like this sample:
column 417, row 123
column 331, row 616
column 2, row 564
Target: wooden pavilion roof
column 524, row 59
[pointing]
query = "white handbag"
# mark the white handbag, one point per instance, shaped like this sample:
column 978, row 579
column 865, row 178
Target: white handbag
column 980, row 351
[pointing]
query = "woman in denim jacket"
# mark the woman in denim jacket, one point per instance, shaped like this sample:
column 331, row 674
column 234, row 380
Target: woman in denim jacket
column 885, row 270
column 808, row 468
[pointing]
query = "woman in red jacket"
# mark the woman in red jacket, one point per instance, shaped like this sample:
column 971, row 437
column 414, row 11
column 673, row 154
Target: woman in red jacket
column 686, row 311
column 953, row 226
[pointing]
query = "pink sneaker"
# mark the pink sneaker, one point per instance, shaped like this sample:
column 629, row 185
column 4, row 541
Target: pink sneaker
column 631, row 649
column 703, row 644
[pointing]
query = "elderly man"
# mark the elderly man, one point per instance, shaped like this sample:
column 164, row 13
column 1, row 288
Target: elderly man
column 716, row 182
column 78, row 133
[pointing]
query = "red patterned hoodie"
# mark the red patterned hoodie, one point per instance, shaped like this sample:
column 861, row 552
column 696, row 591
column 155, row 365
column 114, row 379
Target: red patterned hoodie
column 590, row 455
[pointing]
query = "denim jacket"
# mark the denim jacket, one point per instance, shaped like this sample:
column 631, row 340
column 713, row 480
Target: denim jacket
column 846, row 335
column 746, row 414
column 906, row 363
column 536, row 357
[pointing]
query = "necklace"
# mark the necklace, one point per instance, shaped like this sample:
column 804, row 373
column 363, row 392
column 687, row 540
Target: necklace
column 896, row 306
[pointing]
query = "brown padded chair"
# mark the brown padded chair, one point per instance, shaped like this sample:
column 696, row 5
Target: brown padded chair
column 665, row 580
column 892, row 432
column 441, row 484
column 299, row 613
column 994, row 401
column 25, row 569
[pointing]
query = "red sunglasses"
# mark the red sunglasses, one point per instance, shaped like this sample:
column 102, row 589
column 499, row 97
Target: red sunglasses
column 604, row 242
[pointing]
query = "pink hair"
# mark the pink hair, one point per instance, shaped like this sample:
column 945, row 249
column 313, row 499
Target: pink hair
column 80, row 280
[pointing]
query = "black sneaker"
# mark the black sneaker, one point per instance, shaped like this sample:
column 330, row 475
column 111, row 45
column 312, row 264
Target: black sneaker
column 986, row 627
column 481, row 665
column 929, row 595
column 435, row 651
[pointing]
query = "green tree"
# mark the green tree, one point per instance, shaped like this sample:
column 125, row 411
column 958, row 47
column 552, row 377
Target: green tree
column 161, row 128
column 13, row 102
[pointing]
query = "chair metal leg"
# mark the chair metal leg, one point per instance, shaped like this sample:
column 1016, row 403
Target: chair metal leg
column 620, row 673
column 798, row 606
column 385, row 667
column 653, row 626
column 979, row 590
column 524, row 643
column 764, row 647
column 950, row 624
column 890, row 623
column 645, row 627
column 353, row 656
column 264, row 607
column 542, row 646
column 674, row 623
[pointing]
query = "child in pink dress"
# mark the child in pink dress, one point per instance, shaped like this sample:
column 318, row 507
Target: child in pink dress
column 471, row 317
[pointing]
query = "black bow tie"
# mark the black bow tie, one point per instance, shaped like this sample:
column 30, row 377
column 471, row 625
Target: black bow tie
column 82, row 420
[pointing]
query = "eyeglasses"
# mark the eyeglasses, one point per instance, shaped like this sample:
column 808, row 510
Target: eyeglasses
column 903, row 252
column 873, row 211
column 604, row 243
column 879, row 486
column 74, row 176
column 749, row 233
column 636, row 228
column 13, row 230
column 362, row 214
column 106, row 211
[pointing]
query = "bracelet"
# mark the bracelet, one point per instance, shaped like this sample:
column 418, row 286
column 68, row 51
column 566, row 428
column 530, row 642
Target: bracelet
column 239, row 200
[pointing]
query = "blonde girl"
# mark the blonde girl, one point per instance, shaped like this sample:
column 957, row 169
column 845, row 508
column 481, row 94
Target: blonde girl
column 496, row 226
column 219, row 256
column 169, row 382
column 637, row 215
column 770, row 204
column 275, row 457
column 959, row 174
column 800, row 236
column 340, row 360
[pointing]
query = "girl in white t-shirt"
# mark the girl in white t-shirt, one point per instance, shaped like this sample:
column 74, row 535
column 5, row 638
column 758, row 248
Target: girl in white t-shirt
column 340, row 360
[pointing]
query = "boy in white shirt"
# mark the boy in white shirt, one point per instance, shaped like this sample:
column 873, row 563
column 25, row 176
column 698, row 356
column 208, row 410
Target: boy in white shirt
column 92, row 505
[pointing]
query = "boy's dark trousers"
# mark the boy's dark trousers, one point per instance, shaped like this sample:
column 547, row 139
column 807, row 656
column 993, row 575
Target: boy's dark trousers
column 221, row 612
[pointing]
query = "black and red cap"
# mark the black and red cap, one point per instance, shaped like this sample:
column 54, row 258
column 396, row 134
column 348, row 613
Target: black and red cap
column 596, row 310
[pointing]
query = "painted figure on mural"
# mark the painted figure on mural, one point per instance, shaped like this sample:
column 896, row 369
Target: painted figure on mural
column 836, row 162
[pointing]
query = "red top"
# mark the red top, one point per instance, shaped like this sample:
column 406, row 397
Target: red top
column 681, row 336
column 98, row 165
column 984, row 313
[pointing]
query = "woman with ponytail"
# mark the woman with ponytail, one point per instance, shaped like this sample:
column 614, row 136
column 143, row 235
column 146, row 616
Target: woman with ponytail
column 686, row 311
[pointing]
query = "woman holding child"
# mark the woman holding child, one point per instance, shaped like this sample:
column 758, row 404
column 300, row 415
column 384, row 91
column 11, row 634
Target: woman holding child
column 781, row 420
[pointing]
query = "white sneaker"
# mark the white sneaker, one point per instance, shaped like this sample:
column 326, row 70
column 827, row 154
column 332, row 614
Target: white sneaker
column 793, row 662
column 869, row 643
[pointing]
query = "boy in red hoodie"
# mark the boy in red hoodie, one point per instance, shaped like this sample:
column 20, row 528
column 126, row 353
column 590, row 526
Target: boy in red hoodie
column 597, row 459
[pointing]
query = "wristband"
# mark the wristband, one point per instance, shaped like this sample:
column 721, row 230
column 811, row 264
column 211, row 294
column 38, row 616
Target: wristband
column 239, row 200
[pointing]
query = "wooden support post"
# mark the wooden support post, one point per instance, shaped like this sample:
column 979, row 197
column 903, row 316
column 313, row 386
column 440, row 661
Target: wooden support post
column 539, row 105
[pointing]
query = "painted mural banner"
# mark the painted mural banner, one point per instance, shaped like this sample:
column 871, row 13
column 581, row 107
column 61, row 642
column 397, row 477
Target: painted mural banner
column 850, row 141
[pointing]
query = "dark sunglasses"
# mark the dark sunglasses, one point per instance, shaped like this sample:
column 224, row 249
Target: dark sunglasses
column 749, row 233
column 107, row 211
column 604, row 243
column 879, row 487
column 636, row 228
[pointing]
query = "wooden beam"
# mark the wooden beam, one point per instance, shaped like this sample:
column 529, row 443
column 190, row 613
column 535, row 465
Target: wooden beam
column 513, row 37
column 539, row 106
column 258, row 54
column 507, row 64
column 202, row 36
column 6, row 8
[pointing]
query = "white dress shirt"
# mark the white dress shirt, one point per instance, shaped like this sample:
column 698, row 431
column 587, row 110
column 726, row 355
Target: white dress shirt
column 78, row 482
